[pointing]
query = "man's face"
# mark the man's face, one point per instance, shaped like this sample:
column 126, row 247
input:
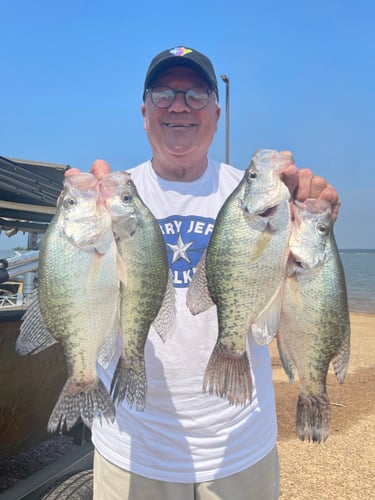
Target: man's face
column 179, row 132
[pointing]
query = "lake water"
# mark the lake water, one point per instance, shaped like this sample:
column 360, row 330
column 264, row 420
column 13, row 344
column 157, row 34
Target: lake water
column 359, row 266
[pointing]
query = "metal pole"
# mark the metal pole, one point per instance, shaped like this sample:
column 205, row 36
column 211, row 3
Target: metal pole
column 226, row 81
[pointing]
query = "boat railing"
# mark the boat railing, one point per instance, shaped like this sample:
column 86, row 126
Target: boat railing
column 18, row 278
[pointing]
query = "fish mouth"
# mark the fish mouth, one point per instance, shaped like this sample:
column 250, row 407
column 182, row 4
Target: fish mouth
column 296, row 259
column 299, row 263
column 303, row 265
column 296, row 265
column 268, row 211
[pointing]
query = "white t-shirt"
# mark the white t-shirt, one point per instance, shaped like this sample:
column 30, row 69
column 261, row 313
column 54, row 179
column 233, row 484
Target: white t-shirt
column 185, row 435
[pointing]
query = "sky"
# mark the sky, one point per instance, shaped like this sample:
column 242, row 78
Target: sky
column 302, row 77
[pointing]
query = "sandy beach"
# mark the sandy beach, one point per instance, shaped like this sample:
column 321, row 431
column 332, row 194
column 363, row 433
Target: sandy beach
column 343, row 467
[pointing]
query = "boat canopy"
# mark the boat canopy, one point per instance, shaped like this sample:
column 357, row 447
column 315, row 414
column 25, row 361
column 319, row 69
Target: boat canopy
column 28, row 193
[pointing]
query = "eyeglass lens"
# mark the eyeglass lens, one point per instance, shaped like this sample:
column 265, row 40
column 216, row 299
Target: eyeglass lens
column 196, row 98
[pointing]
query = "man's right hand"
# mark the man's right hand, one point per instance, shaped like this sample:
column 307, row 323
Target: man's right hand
column 99, row 168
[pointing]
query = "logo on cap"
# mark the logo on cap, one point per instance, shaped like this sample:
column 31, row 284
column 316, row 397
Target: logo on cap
column 180, row 51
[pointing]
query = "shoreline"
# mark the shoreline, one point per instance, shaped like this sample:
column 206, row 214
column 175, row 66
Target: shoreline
column 359, row 313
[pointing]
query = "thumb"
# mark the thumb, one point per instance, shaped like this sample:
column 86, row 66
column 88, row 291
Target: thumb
column 100, row 168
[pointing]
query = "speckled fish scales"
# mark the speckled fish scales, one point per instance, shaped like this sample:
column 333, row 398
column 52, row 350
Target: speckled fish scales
column 147, row 293
column 314, row 326
column 77, row 300
column 242, row 273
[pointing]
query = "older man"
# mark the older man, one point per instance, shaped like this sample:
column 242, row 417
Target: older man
column 188, row 445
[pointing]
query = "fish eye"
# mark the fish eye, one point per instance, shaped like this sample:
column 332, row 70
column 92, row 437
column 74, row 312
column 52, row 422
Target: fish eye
column 253, row 174
column 126, row 198
column 322, row 229
column 70, row 202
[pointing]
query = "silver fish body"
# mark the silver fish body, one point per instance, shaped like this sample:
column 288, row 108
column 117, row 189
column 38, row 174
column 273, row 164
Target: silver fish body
column 242, row 272
column 77, row 300
column 314, row 325
column 147, row 293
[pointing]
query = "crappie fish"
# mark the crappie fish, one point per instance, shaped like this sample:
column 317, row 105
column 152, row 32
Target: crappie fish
column 147, row 294
column 314, row 326
column 77, row 300
column 242, row 271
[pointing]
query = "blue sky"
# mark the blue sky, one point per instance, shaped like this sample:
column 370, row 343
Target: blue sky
column 302, row 77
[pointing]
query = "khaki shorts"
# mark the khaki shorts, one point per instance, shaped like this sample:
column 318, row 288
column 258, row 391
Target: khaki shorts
column 259, row 482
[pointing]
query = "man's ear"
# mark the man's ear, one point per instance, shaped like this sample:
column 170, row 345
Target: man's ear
column 143, row 111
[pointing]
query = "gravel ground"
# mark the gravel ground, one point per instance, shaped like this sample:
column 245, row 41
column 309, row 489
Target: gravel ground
column 27, row 462
column 343, row 467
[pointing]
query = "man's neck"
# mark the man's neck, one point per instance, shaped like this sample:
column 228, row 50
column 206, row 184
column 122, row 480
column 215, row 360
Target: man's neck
column 180, row 171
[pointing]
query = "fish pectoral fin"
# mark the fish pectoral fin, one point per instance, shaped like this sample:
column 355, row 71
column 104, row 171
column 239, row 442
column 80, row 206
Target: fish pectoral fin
column 265, row 326
column 94, row 271
column 34, row 335
column 165, row 322
column 198, row 297
column 263, row 242
column 121, row 270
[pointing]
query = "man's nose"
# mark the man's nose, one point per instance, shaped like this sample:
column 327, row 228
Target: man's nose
column 179, row 103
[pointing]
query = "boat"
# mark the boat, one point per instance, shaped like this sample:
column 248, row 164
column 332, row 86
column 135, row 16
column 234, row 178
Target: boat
column 29, row 385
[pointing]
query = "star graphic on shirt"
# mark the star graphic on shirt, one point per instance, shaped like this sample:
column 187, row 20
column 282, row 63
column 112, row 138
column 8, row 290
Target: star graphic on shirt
column 180, row 250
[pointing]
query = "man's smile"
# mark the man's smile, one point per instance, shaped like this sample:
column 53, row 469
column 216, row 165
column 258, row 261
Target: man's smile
column 176, row 125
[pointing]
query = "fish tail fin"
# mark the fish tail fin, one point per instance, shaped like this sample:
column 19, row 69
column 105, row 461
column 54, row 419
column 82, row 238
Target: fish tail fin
column 340, row 362
column 313, row 417
column 75, row 402
column 228, row 375
column 129, row 382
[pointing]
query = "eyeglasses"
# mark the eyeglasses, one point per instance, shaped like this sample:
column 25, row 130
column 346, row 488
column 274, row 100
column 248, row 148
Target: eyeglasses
column 195, row 98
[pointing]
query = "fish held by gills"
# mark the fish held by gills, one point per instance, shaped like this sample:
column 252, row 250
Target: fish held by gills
column 314, row 325
column 147, row 295
column 77, row 300
column 242, row 271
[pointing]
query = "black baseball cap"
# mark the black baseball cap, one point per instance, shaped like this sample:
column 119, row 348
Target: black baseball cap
column 182, row 56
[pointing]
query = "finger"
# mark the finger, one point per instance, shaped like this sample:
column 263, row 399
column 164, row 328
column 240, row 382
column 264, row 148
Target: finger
column 287, row 152
column 331, row 195
column 100, row 168
column 67, row 173
column 303, row 191
column 289, row 175
column 309, row 185
column 72, row 171
column 317, row 186
column 335, row 210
